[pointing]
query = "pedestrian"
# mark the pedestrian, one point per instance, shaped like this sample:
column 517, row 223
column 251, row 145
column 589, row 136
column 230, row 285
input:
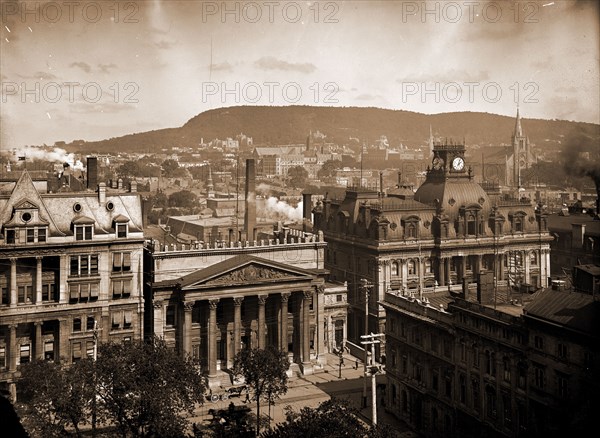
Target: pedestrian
column 247, row 395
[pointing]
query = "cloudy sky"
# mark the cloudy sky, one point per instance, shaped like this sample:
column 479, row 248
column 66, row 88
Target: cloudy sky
column 100, row 69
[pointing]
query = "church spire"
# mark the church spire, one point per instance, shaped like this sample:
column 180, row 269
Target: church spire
column 430, row 141
column 518, row 129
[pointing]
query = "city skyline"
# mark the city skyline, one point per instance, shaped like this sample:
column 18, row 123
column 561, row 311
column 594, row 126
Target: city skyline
column 97, row 70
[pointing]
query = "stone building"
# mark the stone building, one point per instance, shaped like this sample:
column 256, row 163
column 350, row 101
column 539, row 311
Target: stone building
column 71, row 264
column 443, row 235
column 479, row 363
column 211, row 300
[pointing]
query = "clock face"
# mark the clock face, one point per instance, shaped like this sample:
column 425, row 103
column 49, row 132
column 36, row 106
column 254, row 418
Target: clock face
column 458, row 163
column 438, row 163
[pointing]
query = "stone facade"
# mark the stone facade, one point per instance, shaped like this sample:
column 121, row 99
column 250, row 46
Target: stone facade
column 71, row 264
column 211, row 301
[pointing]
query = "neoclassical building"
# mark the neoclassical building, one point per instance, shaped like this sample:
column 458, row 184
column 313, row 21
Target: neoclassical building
column 70, row 263
column 210, row 301
column 441, row 236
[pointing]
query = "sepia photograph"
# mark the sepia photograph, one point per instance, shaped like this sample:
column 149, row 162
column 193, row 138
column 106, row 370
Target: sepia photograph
column 285, row 218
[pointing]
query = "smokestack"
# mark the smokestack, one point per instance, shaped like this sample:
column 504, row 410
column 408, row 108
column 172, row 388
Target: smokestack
column 250, row 213
column 92, row 172
column 102, row 193
column 306, row 210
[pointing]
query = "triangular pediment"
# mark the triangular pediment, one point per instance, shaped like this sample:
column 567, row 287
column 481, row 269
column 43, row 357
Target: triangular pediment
column 244, row 270
column 25, row 205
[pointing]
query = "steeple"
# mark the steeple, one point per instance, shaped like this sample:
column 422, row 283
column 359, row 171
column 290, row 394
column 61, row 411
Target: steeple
column 210, row 192
column 430, row 141
column 518, row 130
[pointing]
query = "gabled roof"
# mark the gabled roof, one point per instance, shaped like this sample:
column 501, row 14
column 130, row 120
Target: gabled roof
column 240, row 270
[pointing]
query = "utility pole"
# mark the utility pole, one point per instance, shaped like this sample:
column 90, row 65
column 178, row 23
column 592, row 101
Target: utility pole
column 374, row 369
column 94, row 408
column 365, row 285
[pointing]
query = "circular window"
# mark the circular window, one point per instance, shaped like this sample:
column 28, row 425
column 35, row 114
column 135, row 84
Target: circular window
column 393, row 225
column 77, row 207
column 110, row 206
column 26, row 217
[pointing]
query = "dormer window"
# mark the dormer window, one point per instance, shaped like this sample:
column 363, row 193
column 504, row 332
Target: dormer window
column 517, row 221
column 83, row 232
column 120, row 225
column 121, row 231
column 411, row 227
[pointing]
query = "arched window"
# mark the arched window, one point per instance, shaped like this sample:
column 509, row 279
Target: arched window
column 412, row 267
column 411, row 231
column 533, row 260
column 395, row 269
column 471, row 225
column 428, row 266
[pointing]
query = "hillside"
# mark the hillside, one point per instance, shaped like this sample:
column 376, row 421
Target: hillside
column 270, row 125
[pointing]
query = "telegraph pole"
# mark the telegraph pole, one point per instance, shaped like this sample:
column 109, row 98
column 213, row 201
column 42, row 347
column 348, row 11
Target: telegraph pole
column 365, row 285
column 374, row 369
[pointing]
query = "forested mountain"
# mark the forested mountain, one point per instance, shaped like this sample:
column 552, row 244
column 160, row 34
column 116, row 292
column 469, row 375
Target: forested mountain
column 272, row 125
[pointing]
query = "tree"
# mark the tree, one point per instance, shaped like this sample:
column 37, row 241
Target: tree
column 184, row 199
column 328, row 168
column 170, row 167
column 56, row 397
column 335, row 416
column 297, row 176
column 264, row 371
column 144, row 388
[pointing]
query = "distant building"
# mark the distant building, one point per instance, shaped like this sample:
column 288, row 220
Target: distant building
column 520, row 158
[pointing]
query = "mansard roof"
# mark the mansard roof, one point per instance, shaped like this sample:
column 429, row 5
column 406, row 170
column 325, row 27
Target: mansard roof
column 60, row 210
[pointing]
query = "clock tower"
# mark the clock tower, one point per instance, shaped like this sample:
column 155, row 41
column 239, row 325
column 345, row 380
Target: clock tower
column 448, row 161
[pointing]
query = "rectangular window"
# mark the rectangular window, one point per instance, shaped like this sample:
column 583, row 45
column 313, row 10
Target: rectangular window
column 25, row 353
column 21, row 294
column 121, row 288
column 563, row 352
column 83, row 232
column 76, row 351
column 463, row 352
column 2, row 356
column 170, row 320
column 562, row 386
column 435, row 380
column 89, row 349
column 404, row 365
column 4, row 295
column 11, row 236
column 30, row 235
column 84, row 265
column 49, row 350
column 127, row 319
column 121, row 230
column 41, row 234
column 116, row 320
column 90, row 323
column 538, row 342
column 447, row 348
column 475, row 357
column 77, row 324
column 539, row 375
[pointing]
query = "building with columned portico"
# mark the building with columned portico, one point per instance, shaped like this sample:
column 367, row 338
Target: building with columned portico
column 211, row 299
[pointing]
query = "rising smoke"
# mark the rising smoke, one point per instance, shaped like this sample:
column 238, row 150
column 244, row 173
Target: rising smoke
column 281, row 210
column 581, row 156
column 56, row 155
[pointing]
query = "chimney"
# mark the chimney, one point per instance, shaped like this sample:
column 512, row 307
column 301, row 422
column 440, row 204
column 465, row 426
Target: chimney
column 102, row 193
column 250, row 213
column 399, row 179
column 120, row 183
column 133, row 186
column 306, row 210
column 92, row 172
column 578, row 234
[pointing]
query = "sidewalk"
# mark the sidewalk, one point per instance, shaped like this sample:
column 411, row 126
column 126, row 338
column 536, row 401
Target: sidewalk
column 311, row 390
